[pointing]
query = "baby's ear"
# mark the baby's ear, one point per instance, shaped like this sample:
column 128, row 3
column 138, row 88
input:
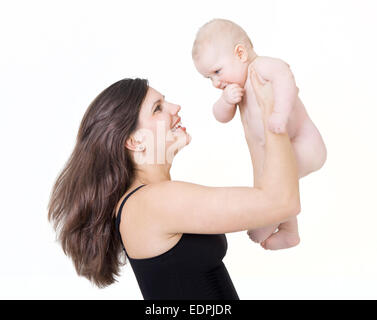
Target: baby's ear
column 240, row 52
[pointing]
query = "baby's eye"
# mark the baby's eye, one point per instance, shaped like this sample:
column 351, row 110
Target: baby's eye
column 217, row 71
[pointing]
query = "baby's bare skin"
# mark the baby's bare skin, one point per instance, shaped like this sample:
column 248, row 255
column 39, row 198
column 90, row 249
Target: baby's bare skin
column 229, row 70
column 307, row 142
column 288, row 106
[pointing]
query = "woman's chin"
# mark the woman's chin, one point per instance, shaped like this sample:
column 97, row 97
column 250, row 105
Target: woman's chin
column 184, row 138
column 188, row 138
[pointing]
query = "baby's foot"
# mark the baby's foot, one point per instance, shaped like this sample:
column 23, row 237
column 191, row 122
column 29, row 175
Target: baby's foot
column 258, row 235
column 282, row 239
column 276, row 123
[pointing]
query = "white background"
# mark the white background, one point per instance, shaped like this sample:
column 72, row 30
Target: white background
column 56, row 56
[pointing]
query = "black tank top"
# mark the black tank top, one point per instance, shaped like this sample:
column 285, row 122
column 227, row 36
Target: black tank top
column 192, row 269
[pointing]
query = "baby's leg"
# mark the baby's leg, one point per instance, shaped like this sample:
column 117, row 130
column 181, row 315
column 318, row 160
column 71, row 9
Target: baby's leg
column 309, row 149
column 286, row 237
column 310, row 152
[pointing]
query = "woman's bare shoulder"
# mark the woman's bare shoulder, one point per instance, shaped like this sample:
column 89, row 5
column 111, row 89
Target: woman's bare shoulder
column 149, row 193
column 138, row 223
column 169, row 188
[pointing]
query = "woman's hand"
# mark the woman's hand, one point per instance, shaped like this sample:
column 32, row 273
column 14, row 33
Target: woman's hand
column 263, row 92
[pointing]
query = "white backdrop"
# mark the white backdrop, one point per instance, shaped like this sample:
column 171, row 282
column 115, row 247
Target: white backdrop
column 56, row 56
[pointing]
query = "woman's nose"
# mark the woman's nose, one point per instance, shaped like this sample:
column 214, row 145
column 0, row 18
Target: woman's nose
column 176, row 108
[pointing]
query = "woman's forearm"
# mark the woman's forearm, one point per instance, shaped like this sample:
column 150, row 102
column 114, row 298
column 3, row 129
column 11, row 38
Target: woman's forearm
column 256, row 151
column 280, row 174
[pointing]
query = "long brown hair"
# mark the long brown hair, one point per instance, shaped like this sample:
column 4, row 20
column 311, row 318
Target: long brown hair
column 96, row 175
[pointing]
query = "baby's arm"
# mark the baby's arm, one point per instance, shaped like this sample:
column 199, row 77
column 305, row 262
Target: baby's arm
column 224, row 111
column 284, row 87
column 225, row 108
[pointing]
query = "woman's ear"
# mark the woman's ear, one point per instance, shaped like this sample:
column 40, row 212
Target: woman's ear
column 131, row 144
column 240, row 52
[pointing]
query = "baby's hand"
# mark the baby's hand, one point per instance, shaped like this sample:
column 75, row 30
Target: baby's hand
column 233, row 93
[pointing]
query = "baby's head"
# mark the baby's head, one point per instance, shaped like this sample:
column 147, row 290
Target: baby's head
column 222, row 52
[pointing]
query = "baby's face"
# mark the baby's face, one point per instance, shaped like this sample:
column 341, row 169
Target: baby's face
column 222, row 66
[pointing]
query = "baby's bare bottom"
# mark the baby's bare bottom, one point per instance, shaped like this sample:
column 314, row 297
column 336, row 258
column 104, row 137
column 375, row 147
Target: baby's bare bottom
column 310, row 153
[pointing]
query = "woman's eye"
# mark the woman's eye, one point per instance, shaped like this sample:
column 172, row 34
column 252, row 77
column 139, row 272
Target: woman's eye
column 157, row 108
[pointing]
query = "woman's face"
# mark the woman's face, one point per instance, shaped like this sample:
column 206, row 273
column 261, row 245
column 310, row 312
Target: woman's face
column 159, row 130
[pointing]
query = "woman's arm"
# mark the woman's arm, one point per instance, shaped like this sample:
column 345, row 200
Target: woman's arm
column 179, row 207
column 256, row 150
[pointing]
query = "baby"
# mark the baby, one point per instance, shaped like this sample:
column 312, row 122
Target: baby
column 223, row 52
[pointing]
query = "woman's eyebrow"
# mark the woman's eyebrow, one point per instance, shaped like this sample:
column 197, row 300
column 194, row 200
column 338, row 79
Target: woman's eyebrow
column 157, row 101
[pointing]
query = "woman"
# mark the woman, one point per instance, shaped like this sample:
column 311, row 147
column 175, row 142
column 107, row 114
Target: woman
column 172, row 231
